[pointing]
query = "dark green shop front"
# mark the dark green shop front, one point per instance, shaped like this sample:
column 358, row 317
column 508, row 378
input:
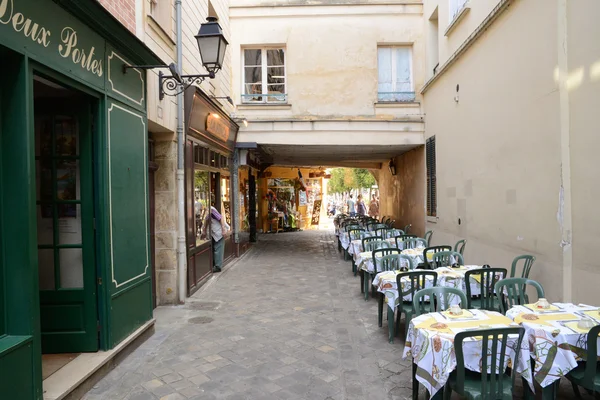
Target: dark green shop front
column 75, row 273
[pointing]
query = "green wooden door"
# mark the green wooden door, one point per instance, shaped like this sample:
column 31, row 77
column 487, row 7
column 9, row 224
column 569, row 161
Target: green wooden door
column 66, row 260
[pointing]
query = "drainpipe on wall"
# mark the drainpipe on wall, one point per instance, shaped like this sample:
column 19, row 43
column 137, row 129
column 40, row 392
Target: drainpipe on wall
column 235, row 199
column 181, row 251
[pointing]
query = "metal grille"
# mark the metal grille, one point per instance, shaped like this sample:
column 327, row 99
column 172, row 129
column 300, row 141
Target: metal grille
column 431, row 178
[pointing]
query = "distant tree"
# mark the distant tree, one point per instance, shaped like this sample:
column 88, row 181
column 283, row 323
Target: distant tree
column 363, row 178
column 345, row 179
column 336, row 182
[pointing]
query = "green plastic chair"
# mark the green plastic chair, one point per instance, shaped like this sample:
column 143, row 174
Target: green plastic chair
column 428, row 236
column 527, row 264
column 413, row 243
column 407, row 228
column 390, row 262
column 364, row 242
column 402, row 237
column 367, row 275
column 391, row 223
column 486, row 281
column 485, row 385
column 383, row 232
column 418, row 281
column 460, row 246
column 435, row 296
column 368, row 240
column 587, row 374
column 432, row 250
column 353, row 234
column 446, row 259
column 513, row 292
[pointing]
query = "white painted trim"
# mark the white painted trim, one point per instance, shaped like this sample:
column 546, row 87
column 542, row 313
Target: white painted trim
column 457, row 18
column 112, row 85
column 110, row 231
column 432, row 220
column 397, row 104
column 264, row 76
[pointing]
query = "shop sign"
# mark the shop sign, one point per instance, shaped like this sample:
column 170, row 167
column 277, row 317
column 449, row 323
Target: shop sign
column 53, row 36
column 216, row 126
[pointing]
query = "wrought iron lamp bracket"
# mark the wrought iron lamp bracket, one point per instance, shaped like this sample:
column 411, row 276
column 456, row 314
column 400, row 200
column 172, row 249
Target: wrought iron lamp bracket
column 170, row 86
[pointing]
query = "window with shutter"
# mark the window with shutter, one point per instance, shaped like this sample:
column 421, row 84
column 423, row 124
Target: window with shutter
column 431, row 179
column 395, row 74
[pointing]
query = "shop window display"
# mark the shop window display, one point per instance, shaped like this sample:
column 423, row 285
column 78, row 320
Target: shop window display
column 201, row 202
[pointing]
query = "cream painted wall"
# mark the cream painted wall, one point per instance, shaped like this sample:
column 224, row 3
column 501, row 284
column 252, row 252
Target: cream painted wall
column 161, row 40
column 498, row 149
column 331, row 54
column 583, row 83
column 402, row 197
column 448, row 43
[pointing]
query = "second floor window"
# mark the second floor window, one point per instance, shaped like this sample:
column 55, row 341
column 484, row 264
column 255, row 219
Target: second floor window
column 455, row 7
column 395, row 74
column 264, row 76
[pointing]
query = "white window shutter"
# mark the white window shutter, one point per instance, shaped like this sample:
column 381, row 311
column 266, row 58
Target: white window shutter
column 384, row 63
column 403, row 70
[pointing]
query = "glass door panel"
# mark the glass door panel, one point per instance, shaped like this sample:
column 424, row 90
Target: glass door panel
column 59, row 202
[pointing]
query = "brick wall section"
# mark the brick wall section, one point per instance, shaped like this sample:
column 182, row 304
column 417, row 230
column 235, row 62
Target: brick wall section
column 123, row 10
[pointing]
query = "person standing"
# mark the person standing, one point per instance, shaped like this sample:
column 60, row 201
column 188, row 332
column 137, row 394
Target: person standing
column 361, row 209
column 350, row 204
column 218, row 227
column 374, row 207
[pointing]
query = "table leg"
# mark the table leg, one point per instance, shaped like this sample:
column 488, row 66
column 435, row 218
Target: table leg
column 551, row 391
column 391, row 324
column 362, row 281
column 380, row 297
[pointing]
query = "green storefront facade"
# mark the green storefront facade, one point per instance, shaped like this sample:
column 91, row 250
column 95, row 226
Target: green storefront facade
column 75, row 273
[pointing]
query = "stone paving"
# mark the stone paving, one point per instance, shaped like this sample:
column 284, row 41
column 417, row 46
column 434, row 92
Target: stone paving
column 286, row 321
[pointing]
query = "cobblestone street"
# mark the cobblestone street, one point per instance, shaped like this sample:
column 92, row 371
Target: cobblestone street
column 284, row 322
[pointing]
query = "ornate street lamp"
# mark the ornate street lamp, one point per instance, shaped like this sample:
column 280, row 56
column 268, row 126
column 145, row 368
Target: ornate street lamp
column 211, row 44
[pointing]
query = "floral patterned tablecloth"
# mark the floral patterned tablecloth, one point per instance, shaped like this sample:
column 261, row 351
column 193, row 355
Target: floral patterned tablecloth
column 356, row 247
column 385, row 282
column 364, row 260
column 430, row 343
column 555, row 341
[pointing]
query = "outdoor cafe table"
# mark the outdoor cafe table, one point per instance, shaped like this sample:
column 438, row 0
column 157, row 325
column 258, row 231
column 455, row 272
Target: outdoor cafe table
column 364, row 260
column 355, row 246
column 430, row 344
column 386, row 284
column 555, row 341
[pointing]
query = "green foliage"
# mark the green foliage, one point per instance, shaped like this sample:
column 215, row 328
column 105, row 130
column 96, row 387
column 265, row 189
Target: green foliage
column 345, row 179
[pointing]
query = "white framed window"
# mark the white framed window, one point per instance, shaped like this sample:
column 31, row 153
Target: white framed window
column 455, row 7
column 263, row 77
column 395, row 78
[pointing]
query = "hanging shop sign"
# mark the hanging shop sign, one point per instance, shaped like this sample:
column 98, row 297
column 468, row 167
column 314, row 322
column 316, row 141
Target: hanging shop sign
column 216, row 126
column 49, row 32
column 207, row 123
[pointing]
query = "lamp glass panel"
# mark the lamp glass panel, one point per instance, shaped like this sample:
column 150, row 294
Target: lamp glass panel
column 222, row 48
column 209, row 48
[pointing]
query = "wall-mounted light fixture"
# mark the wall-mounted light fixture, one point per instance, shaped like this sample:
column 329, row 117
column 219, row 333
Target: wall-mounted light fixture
column 212, row 46
column 229, row 100
column 456, row 99
column 392, row 167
